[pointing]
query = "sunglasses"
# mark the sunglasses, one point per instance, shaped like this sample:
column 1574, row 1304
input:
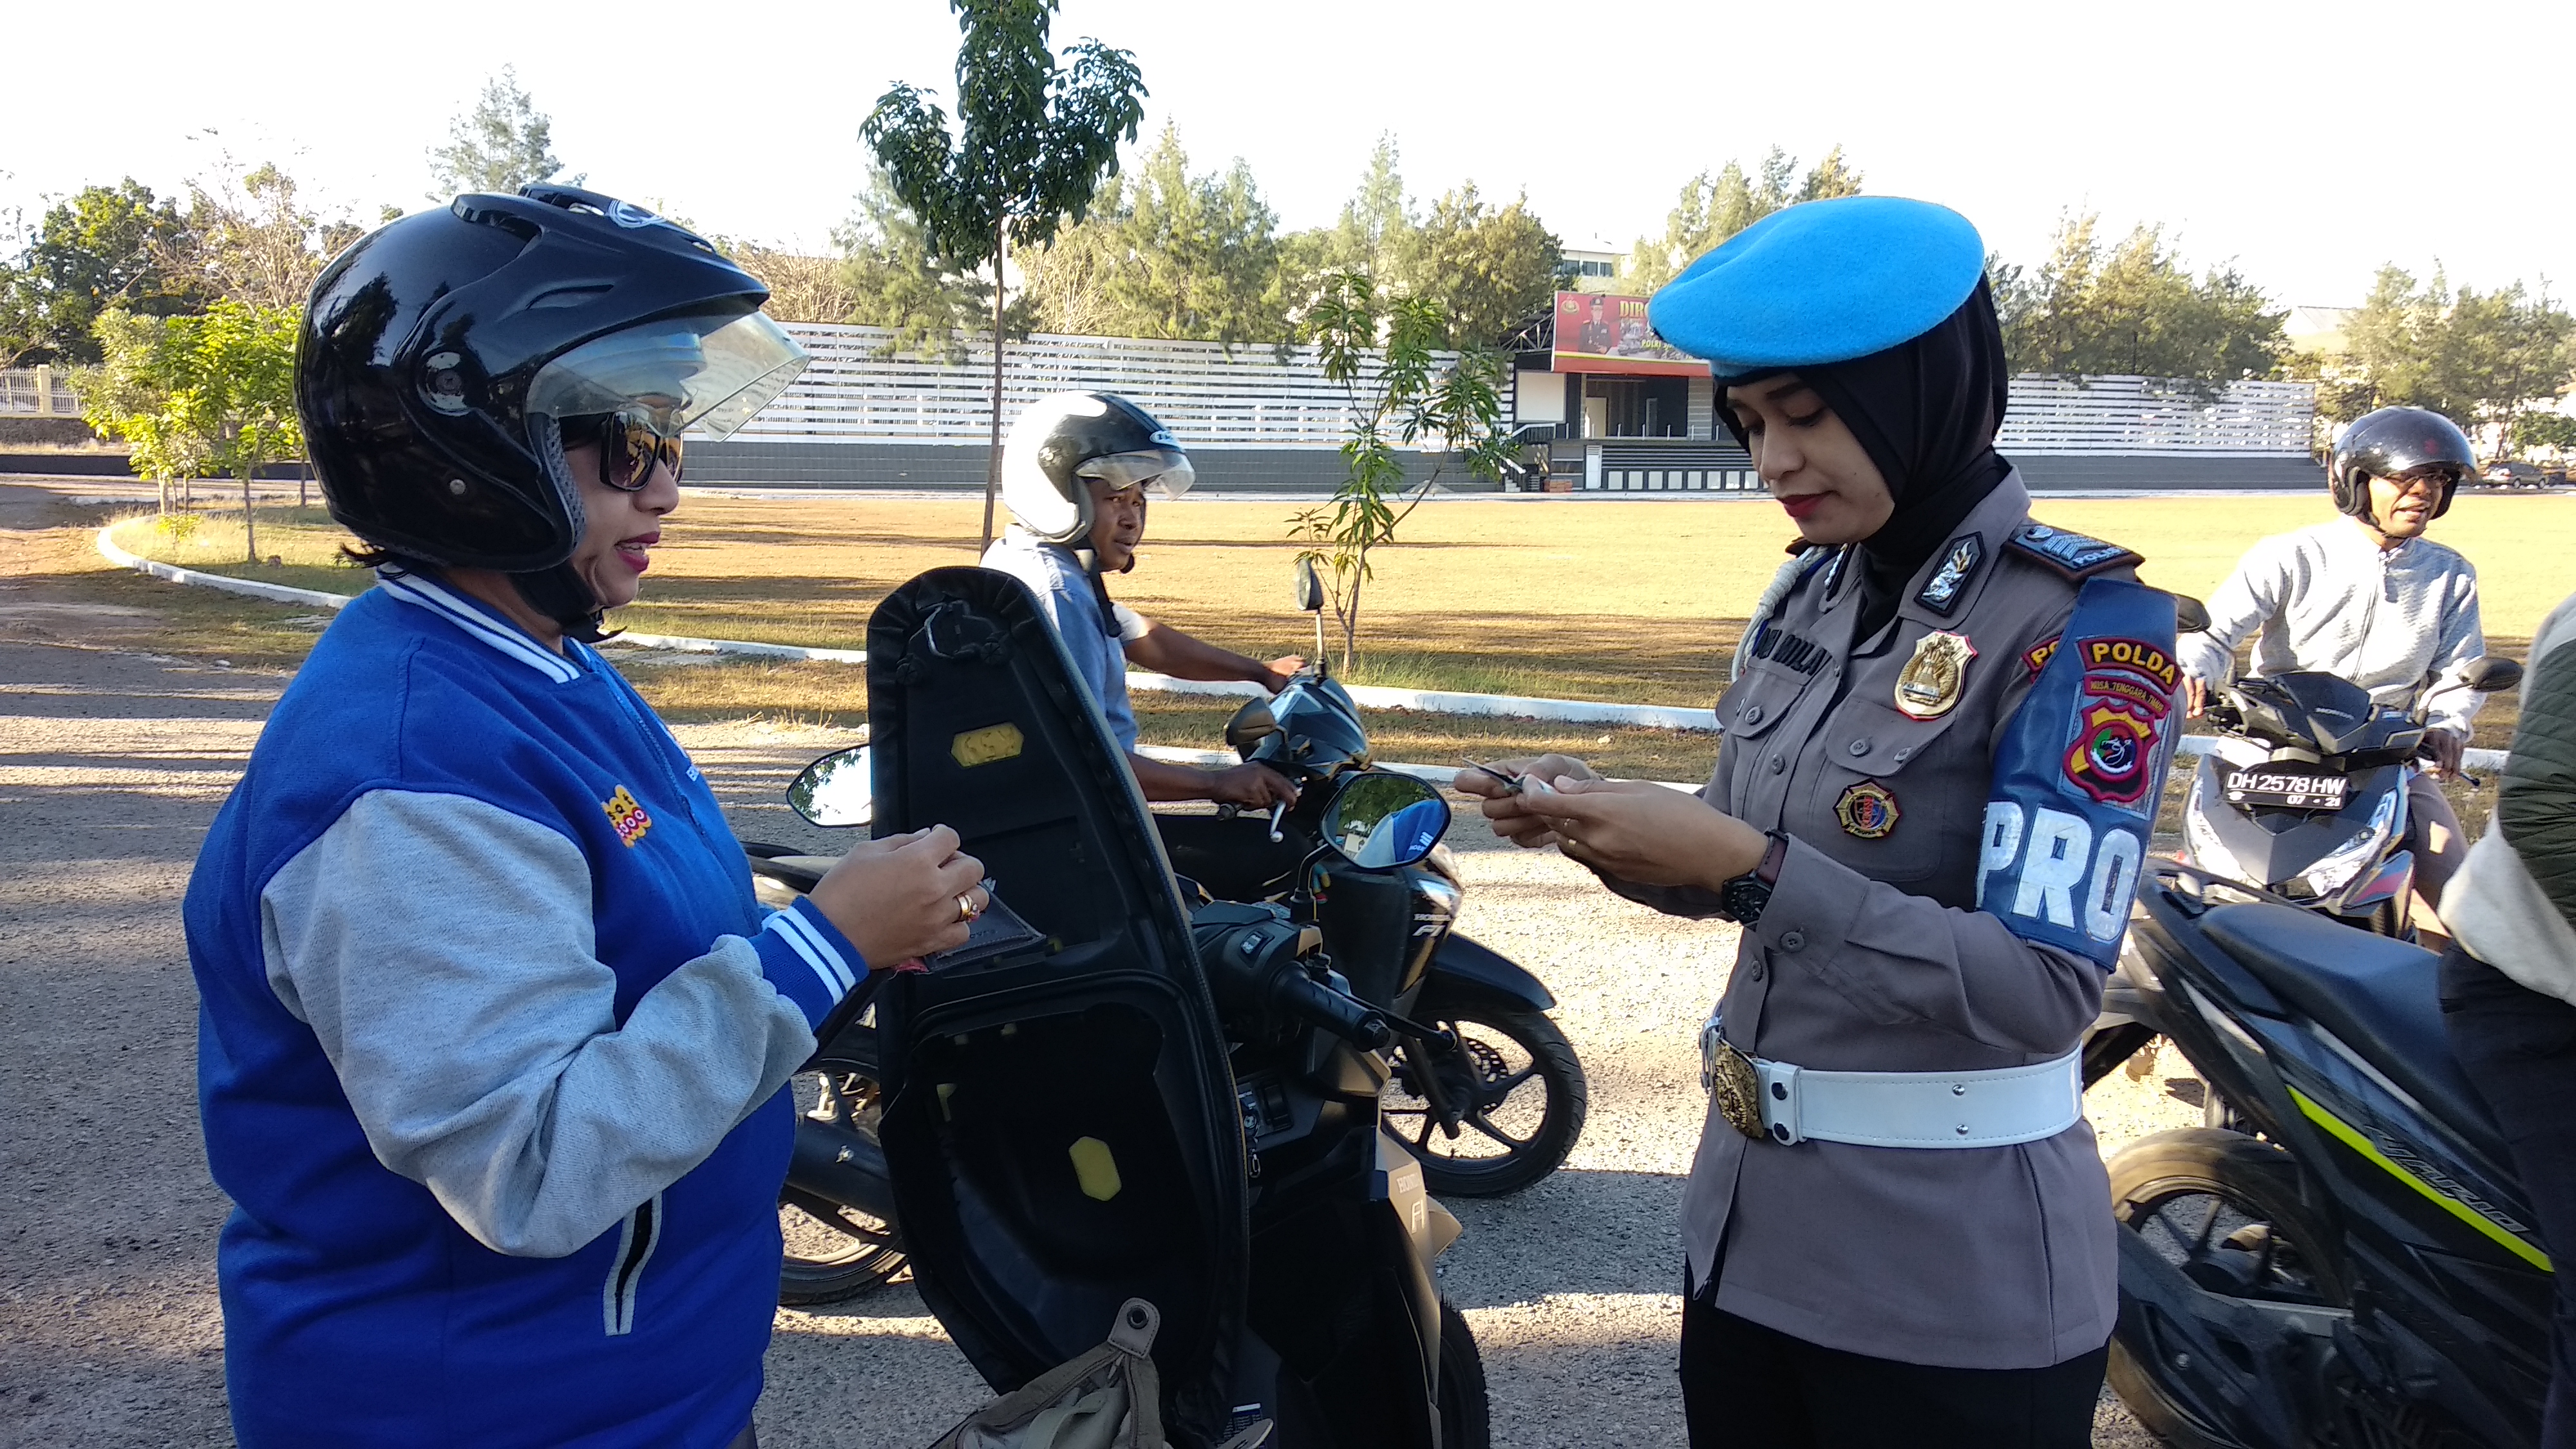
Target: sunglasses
column 630, row 443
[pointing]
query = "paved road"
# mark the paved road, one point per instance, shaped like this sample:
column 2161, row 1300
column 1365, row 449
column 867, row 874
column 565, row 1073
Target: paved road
column 111, row 764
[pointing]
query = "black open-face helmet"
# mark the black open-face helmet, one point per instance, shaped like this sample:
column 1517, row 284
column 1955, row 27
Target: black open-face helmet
column 441, row 354
column 1068, row 438
column 2390, row 443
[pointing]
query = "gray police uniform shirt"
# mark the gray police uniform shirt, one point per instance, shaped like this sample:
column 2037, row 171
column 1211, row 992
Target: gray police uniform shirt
column 2329, row 598
column 1871, row 957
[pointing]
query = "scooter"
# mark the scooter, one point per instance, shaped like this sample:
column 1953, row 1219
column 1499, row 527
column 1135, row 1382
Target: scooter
column 1107, row 1094
column 2357, row 1266
column 1493, row 1102
column 2304, row 794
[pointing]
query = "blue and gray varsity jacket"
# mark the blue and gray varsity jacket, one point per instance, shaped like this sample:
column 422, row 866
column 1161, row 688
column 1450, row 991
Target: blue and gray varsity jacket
column 491, row 1052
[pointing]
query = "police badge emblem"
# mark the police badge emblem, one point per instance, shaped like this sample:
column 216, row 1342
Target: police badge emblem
column 1934, row 678
column 1868, row 811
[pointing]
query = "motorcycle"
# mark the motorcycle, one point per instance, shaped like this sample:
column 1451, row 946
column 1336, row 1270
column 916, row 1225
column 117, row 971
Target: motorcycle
column 1107, row 1095
column 2355, row 1267
column 1494, row 1099
column 2304, row 793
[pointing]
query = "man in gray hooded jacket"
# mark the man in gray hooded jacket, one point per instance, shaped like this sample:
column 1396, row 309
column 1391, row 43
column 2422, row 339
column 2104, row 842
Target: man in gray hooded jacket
column 2509, row 979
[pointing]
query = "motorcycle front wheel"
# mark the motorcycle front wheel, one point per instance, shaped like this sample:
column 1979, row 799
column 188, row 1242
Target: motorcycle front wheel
column 1521, row 1092
column 2225, row 1209
column 1466, row 1416
column 834, row 1252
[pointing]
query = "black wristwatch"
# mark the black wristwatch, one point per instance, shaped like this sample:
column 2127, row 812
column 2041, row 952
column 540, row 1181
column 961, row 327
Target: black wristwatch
column 1744, row 897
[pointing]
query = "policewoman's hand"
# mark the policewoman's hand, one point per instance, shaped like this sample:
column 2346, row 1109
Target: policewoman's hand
column 904, row 896
column 1648, row 833
column 1510, row 813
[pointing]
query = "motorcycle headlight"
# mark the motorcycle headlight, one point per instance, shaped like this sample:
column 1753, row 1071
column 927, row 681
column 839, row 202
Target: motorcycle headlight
column 2336, row 870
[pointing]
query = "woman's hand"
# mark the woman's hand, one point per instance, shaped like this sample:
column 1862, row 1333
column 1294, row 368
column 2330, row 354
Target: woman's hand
column 898, row 898
column 1647, row 833
column 1508, row 812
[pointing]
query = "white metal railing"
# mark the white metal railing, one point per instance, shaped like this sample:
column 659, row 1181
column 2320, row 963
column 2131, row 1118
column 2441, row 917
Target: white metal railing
column 855, row 390
column 37, row 392
column 2151, row 415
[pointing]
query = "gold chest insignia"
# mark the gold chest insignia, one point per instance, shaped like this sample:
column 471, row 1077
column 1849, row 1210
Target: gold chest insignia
column 1932, row 681
column 1868, row 811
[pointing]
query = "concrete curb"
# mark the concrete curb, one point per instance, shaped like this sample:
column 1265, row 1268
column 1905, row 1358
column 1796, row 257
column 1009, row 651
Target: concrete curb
column 1427, row 701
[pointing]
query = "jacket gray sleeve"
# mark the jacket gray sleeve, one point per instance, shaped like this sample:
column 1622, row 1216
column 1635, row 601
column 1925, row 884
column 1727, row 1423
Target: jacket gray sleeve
column 441, row 949
column 2454, row 707
column 1903, row 959
column 2239, row 607
column 2536, row 798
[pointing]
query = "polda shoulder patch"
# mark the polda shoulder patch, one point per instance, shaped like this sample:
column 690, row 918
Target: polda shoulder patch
column 2070, row 555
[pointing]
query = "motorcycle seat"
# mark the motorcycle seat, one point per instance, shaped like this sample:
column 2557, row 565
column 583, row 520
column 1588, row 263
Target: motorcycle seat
column 2376, row 995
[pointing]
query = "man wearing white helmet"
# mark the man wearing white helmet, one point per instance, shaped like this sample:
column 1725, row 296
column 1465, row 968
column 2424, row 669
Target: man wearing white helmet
column 1074, row 475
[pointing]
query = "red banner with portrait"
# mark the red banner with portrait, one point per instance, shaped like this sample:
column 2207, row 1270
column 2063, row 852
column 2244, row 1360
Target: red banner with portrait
column 1600, row 333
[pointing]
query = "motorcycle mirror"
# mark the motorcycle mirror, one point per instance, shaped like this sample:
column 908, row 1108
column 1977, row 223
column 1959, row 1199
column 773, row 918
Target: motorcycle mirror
column 1381, row 820
column 1251, row 725
column 2491, row 674
column 1310, row 588
column 836, row 790
column 2191, row 616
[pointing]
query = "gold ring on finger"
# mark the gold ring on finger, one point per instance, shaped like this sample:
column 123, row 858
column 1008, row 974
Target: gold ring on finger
column 966, row 910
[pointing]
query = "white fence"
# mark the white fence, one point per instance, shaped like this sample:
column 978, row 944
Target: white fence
column 1255, row 396
column 37, row 392
column 2150, row 415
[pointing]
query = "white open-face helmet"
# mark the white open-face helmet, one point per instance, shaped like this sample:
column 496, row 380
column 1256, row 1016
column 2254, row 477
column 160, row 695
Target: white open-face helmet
column 1065, row 440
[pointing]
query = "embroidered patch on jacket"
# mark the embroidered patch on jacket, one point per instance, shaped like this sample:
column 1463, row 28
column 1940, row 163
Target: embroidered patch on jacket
column 2120, row 710
column 1932, row 681
column 2071, row 554
column 1868, row 811
column 2036, row 657
column 1941, row 595
column 627, row 816
column 1789, row 651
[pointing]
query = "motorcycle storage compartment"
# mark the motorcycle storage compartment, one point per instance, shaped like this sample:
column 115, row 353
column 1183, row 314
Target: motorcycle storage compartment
column 1061, row 1123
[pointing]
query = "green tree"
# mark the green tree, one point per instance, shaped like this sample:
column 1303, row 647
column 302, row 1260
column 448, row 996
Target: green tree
column 2135, row 310
column 1713, row 208
column 2544, row 432
column 199, row 394
column 2476, row 358
column 1489, row 269
column 502, row 144
column 1399, row 397
column 1165, row 253
column 103, row 247
column 894, row 280
column 1034, row 138
column 1374, row 235
column 250, row 238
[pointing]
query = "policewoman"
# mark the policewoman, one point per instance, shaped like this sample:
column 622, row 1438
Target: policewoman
column 1943, row 740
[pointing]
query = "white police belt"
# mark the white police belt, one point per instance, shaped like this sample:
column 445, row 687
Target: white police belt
column 1787, row 1104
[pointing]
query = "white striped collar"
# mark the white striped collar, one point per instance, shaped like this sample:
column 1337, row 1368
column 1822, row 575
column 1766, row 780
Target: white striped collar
column 479, row 624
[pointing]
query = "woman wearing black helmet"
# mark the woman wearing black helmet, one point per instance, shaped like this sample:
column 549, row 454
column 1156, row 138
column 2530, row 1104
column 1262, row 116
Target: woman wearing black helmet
column 1938, row 779
column 2369, row 599
column 493, row 1031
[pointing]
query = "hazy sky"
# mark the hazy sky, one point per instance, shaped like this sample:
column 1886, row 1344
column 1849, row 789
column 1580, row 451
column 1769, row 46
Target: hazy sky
column 2310, row 141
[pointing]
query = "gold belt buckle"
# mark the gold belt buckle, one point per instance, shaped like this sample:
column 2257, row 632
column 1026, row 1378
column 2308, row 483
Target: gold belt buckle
column 1728, row 1074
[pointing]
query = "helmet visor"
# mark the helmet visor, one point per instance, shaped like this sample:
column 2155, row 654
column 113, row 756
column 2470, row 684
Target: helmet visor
column 1166, row 470
column 710, row 373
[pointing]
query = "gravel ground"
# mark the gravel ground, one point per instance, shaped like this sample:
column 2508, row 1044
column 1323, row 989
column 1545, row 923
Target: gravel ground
column 111, row 764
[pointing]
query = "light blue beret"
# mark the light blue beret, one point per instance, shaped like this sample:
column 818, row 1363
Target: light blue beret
column 1823, row 281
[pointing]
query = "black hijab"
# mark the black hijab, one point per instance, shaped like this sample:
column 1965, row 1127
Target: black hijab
column 1926, row 410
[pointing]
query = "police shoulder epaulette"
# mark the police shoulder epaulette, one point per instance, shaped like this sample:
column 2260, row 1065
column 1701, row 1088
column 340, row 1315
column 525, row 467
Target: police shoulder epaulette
column 2071, row 555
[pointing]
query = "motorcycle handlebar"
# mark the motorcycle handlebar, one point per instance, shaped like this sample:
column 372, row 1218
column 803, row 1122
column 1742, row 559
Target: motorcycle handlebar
column 1347, row 1017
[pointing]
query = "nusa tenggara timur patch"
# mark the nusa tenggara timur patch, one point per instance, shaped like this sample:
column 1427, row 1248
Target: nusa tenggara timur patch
column 2076, row 775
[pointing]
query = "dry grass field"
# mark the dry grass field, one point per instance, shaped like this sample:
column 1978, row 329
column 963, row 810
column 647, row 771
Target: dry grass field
column 1624, row 600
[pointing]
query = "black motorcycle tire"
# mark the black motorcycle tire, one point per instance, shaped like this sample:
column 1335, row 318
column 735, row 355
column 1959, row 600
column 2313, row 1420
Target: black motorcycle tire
column 2254, row 1178
column 811, row 1274
column 1552, row 1062
column 1466, row 1415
